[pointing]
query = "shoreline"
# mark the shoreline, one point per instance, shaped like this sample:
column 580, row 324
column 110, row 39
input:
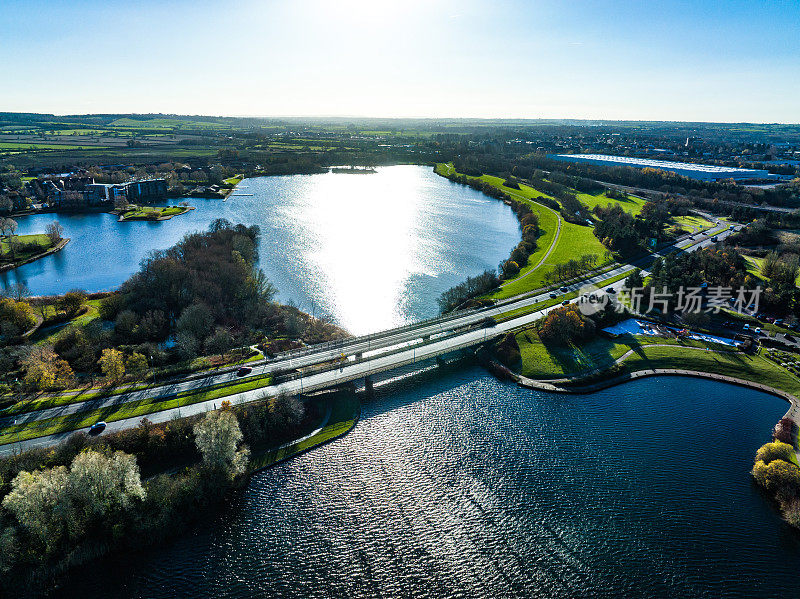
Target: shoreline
column 794, row 403
column 325, row 433
column 56, row 248
column 123, row 219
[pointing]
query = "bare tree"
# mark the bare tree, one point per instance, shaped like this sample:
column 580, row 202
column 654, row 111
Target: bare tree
column 8, row 226
column 54, row 231
column 19, row 291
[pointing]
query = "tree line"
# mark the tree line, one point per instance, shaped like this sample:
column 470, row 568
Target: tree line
column 204, row 297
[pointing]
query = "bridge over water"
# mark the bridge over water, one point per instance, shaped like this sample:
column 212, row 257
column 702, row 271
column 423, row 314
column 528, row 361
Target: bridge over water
column 331, row 364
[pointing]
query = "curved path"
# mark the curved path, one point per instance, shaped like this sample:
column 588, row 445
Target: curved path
column 794, row 402
column 552, row 244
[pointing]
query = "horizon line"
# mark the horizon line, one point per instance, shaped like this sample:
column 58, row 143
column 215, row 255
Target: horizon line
column 398, row 118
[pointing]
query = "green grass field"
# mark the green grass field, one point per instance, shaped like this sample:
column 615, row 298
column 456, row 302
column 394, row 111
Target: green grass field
column 166, row 123
column 548, row 361
column 542, row 361
column 633, row 204
column 42, row 243
column 153, row 212
column 692, row 223
column 574, row 242
column 736, row 364
column 34, row 145
column 234, row 180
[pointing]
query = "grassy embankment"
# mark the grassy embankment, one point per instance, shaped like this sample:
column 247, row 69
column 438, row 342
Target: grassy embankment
column 26, row 247
column 153, row 212
column 754, row 266
column 554, row 301
column 631, row 204
column 573, row 241
column 234, row 181
column 345, row 410
column 47, row 334
column 549, row 361
column 59, row 424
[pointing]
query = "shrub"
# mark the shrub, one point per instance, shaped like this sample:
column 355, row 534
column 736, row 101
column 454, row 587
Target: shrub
column 778, row 477
column 791, row 512
column 217, row 437
column 472, row 287
column 785, row 430
column 112, row 364
column 507, row 350
column 510, row 269
column 775, row 451
column 44, row 370
column 565, row 325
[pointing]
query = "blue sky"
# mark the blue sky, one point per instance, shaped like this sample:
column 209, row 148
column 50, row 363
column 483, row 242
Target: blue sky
column 664, row 60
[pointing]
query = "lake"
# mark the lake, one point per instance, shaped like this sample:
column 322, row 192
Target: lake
column 367, row 251
column 456, row 485
column 453, row 484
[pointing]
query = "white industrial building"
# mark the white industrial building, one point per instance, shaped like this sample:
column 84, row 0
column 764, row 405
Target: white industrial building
column 703, row 172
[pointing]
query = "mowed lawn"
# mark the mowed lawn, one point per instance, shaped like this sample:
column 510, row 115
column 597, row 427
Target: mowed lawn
column 152, row 212
column 692, row 223
column 549, row 361
column 542, row 361
column 41, row 241
column 573, row 242
column 736, row 364
column 632, row 204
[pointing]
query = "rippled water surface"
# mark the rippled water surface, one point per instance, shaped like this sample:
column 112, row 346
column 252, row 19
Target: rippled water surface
column 457, row 485
column 368, row 251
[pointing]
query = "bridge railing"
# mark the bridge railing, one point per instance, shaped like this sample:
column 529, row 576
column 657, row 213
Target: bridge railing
column 381, row 334
column 318, row 369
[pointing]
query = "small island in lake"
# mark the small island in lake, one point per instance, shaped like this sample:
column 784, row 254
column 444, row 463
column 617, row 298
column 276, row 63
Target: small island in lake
column 153, row 213
column 354, row 170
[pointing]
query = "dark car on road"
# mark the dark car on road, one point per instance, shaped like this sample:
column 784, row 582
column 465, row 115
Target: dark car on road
column 565, row 303
column 243, row 371
column 97, row 428
column 564, row 289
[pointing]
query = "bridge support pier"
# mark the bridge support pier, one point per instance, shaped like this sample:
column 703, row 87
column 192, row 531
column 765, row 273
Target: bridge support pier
column 369, row 387
column 439, row 361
